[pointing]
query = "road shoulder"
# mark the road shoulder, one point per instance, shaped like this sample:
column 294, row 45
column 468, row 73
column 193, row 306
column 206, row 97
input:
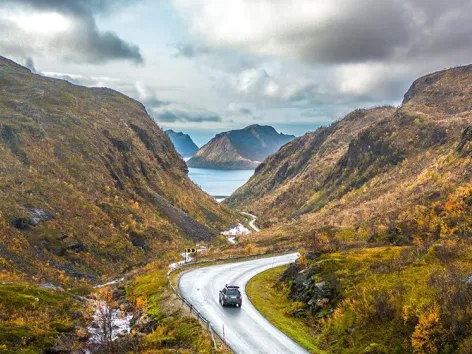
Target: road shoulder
column 272, row 303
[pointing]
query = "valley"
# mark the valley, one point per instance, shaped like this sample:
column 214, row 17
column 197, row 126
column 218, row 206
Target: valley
column 217, row 177
column 377, row 204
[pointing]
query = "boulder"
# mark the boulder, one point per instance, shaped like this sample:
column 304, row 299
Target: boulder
column 144, row 324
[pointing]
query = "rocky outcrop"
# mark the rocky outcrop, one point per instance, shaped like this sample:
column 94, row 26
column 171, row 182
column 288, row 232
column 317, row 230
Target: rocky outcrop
column 465, row 144
column 316, row 296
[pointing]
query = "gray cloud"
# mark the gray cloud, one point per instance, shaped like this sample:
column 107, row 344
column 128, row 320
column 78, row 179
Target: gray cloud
column 154, row 102
column 172, row 116
column 189, row 50
column 334, row 32
column 29, row 63
column 236, row 108
column 80, row 41
column 82, row 7
column 245, row 111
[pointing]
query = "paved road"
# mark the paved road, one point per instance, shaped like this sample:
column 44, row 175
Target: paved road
column 245, row 329
column 251, row 223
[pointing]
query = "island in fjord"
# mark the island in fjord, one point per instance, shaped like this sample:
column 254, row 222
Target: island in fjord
column 242, row 149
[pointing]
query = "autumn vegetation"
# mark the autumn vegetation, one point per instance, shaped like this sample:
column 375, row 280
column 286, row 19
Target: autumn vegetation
column 90, row 190
column 379, row 204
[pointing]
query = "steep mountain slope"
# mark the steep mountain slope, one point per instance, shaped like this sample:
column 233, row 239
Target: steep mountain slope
column 183, row 143
column 89, row 184
column 382, row 163
column 286, row 177
column 239, row 149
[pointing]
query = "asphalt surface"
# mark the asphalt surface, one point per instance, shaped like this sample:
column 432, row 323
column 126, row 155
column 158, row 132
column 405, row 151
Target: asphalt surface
column 251, row 223
column 245, row 329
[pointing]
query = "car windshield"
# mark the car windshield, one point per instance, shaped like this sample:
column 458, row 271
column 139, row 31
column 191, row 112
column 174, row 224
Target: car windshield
column 233, row 292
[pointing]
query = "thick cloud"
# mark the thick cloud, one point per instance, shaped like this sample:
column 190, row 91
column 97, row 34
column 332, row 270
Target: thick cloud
column 325, row 58
column 258, row 84
column 336, row 31
column 81, row 8
column 173, row 116
column 66, row 29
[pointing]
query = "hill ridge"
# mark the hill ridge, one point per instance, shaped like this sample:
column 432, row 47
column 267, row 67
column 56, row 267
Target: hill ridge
column 362, row 166
column 89, row 184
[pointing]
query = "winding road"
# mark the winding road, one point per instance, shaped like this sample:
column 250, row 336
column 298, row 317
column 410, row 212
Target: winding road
column 251, row 222
column 245, row 329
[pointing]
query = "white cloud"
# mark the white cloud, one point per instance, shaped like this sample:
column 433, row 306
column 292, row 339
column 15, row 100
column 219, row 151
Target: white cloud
column 279, row 87
column 44, row 24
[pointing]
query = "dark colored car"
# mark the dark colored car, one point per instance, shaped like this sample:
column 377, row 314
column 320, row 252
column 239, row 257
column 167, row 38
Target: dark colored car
column 231, row 296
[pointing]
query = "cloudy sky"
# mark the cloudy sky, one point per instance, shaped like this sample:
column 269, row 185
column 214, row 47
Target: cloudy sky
column 204, row 66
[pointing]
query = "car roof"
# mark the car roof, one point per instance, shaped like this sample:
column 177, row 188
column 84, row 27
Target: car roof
column 232, row 286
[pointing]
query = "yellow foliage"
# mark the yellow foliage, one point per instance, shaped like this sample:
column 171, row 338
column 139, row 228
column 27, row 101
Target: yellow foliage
column 141, row 303
column 302, row 259
column 428, row 333
column 250, row 248
column 135, row 205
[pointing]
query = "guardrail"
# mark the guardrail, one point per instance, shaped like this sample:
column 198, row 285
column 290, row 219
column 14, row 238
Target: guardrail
column 200, row 317
column 207, row 324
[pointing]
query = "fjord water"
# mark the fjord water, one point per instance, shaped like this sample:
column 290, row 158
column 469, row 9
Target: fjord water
column 219, row 183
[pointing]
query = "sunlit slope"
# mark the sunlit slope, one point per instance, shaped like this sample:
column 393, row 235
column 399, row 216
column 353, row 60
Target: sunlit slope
column 379, row 163
column 89, row 184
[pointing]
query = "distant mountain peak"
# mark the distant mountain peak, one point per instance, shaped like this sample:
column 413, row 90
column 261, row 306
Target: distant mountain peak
column 183, row 143
column 240, row 149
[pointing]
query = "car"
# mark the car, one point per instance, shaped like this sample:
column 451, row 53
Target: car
column 231, row 296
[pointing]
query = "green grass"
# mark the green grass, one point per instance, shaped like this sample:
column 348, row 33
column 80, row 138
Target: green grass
column 176, row 329
column 384, row 291
column 31, row 318
column 273, row 304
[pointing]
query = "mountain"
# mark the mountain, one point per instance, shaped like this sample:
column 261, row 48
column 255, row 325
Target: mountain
column 183, row 143
column 89, row 184
column 239, row 149
column 382, row 164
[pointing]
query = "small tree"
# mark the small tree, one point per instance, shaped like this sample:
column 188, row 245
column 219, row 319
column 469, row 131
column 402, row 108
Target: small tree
column 104, row 318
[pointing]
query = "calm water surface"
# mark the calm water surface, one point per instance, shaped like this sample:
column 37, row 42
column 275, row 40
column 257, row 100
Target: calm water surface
column 219, row 183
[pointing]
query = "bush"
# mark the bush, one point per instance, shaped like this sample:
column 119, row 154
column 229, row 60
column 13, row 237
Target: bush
column 429, row 334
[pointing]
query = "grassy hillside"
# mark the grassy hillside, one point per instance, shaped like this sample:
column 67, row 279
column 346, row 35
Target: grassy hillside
column 89, row 184
column 33, row 317
column 411, row 299
column 374, row 166
column 283, row 182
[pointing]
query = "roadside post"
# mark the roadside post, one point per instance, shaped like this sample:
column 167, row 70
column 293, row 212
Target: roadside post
column 190, row 250
column 224, row 338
